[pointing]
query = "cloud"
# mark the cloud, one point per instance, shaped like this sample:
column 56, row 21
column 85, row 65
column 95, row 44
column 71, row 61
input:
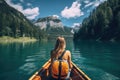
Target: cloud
column 72, row 12
column 31, row 17
column 94, row 3
column 16, row 6
column 76, row 24
column 89, row 4
column 86, row 1
column 76, row 27
column 97, row 3
column 30, row 13
column 56, row 16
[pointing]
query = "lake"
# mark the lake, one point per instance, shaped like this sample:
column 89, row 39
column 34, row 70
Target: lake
column 99, row 60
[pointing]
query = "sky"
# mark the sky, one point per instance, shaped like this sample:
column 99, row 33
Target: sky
column 70, row 12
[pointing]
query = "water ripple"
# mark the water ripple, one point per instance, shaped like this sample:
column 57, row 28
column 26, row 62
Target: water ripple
column 30, row 60
column 103, row 75
column 28, row 68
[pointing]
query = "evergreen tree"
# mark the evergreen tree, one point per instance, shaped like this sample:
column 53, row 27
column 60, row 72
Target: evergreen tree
column 103, row 23
column 14, row 24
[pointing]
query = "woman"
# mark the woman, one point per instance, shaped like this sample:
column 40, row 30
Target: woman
column 59, row 51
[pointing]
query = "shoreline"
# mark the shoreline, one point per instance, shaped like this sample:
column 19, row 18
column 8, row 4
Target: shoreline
column 7, row 39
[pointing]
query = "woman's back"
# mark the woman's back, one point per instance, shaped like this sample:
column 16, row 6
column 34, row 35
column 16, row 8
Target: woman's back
column 66, row 56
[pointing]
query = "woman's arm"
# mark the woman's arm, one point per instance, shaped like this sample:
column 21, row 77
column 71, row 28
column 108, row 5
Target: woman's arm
column 69, row 60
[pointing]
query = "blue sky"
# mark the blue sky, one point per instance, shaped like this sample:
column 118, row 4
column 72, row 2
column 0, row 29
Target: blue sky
column 71, row 12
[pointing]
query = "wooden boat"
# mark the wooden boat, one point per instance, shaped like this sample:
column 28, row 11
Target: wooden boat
column 76, row 73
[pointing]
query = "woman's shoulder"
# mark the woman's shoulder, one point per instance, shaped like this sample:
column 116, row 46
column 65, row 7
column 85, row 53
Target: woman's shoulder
column 67, row 51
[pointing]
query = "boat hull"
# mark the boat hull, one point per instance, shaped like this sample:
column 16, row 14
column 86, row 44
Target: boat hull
column 43, row 73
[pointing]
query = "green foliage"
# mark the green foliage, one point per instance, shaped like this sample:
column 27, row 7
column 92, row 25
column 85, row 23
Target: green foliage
column 103, row 23
column 53, row 27
column 59, row 31
column 14, row 24
column 48, row 19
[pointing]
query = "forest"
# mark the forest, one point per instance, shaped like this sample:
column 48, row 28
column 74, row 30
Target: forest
column 14, row 24
column 102, row 24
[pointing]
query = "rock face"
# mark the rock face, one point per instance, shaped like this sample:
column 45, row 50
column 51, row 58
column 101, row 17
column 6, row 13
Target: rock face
column 53, row 26
column 49, row 22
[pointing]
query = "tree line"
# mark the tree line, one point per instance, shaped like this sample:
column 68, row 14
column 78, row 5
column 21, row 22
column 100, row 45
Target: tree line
column 103, row 23
column 14, row 24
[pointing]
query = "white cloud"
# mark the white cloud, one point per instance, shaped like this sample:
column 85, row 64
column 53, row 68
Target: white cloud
column 76, row 24
column 94, row 3
column 16, row 6
column 86, row 1
column 30, row 13
column 73, row 11
column 76, row 27
column 89, row 4
column 97, row 3
column 56, row 16
column 102, row 0
column 31, row 17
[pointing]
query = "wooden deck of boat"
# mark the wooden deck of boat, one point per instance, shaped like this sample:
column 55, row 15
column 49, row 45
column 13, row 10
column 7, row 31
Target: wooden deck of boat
column 76, row 73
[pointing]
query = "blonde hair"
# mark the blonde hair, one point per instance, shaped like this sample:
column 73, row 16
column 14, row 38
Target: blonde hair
column 59, row 46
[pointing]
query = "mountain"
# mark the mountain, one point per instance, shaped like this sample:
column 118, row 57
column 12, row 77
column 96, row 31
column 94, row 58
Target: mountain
column 13, row 23
column 53, row 26
column 76, row 28
column 51, row 21
column 102, row 24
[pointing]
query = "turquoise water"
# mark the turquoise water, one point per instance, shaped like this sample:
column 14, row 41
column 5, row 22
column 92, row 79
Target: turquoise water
column 99, row 60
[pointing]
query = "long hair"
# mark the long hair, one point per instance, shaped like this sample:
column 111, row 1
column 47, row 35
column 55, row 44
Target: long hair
column 59, row 46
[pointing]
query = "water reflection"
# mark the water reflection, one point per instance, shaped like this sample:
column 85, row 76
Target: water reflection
column 20, row 59
column 99, row 58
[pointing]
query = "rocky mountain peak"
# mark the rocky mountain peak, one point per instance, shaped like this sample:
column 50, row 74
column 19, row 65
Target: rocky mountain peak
column 50, row 21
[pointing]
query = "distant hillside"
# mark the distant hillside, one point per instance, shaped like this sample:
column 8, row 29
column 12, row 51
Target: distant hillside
column 53, row 26
column 102, row 24
column 14, row 24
